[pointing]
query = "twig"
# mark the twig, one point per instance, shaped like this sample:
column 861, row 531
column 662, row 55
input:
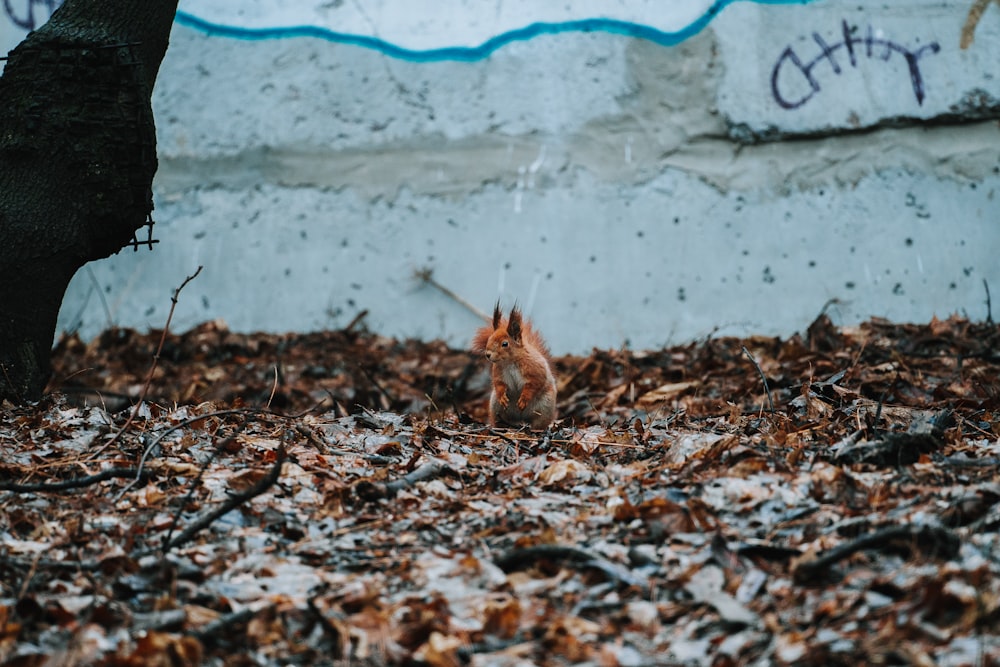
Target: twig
column 75, row 483
column 989, row 305
column 158, row 620
column 191, row 420
column 9, row 383
column 230, row 504
column 897, row 447
column 336, row 638
column 762, row 377
column 371, row 378
column 881, row 402
column 321, row 446
column 375, row 491
column 936, row 539
column 421, row 474
column 356, row 321
column 201, row 472
column 100, row 295
column 47, row 564
column 426, row 275
column 209, row 633
column 152, row 445
column 29, row 576
column 522, row 557
column 274, row 389
column 152, row 368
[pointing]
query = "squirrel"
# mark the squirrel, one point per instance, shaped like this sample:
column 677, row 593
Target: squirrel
column 524, row 386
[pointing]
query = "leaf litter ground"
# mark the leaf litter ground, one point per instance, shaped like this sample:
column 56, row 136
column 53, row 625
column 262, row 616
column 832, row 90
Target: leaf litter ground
column 335, row 498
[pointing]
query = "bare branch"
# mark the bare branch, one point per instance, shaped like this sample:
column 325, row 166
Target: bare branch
column 230, row 504
column 762, row 378
column 152, row 368
column 75, row 483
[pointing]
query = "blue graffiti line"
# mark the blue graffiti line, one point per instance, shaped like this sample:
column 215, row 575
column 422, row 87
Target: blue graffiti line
column 886, row 48
column 473, row 53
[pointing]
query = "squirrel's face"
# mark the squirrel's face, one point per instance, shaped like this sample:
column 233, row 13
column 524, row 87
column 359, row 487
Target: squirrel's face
column 499, row 346
column 506, row 336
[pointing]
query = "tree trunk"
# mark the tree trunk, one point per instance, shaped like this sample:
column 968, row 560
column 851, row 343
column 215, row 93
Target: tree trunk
column 77, row 158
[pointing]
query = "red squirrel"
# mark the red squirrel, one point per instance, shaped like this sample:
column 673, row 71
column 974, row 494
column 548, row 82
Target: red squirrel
column 524, row 387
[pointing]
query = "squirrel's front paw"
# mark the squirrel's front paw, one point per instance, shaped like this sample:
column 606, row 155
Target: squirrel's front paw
column 522, row 402
column 502, row 398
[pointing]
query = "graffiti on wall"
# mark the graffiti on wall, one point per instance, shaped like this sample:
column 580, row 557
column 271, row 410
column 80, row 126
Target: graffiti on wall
column 794, row 81
column 29, row 14
column 456, row 32
column 210, row 18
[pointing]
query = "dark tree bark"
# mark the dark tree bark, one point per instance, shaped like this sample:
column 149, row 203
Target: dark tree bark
column 77, row 158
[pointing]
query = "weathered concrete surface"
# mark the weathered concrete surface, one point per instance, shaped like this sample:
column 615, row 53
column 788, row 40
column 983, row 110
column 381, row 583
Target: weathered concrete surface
column 650, row 269
column 602, row 181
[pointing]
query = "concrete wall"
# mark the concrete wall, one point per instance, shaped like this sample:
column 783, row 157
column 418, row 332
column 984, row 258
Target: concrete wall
column 639, row 177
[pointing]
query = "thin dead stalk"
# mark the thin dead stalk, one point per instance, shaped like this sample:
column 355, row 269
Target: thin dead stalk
column 152, row 368
column 763, row 378
column 231, row 503
column 201, row 472
column 989, row 304
column 208, row 415
column 274, row 388
column 156, row 441
column 426, row 276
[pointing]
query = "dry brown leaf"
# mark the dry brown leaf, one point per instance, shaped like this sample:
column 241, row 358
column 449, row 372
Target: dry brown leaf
column 440, row 651
column 502, row 617
column 566, row 471
column 666, row 392
column 568, row 636
column 161, row 649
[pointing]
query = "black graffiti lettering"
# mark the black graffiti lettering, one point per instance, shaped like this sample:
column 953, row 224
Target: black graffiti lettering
column 870, row 41
column 790, row 71
column 27, row 22
column 826, row 52
column 845, row 31
column 913, row 62
column 805, row 71
column 26, row 19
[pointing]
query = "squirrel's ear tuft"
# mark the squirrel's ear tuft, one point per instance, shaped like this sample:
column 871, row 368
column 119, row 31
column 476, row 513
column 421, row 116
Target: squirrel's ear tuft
column 514, row 324
column 497, row 315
